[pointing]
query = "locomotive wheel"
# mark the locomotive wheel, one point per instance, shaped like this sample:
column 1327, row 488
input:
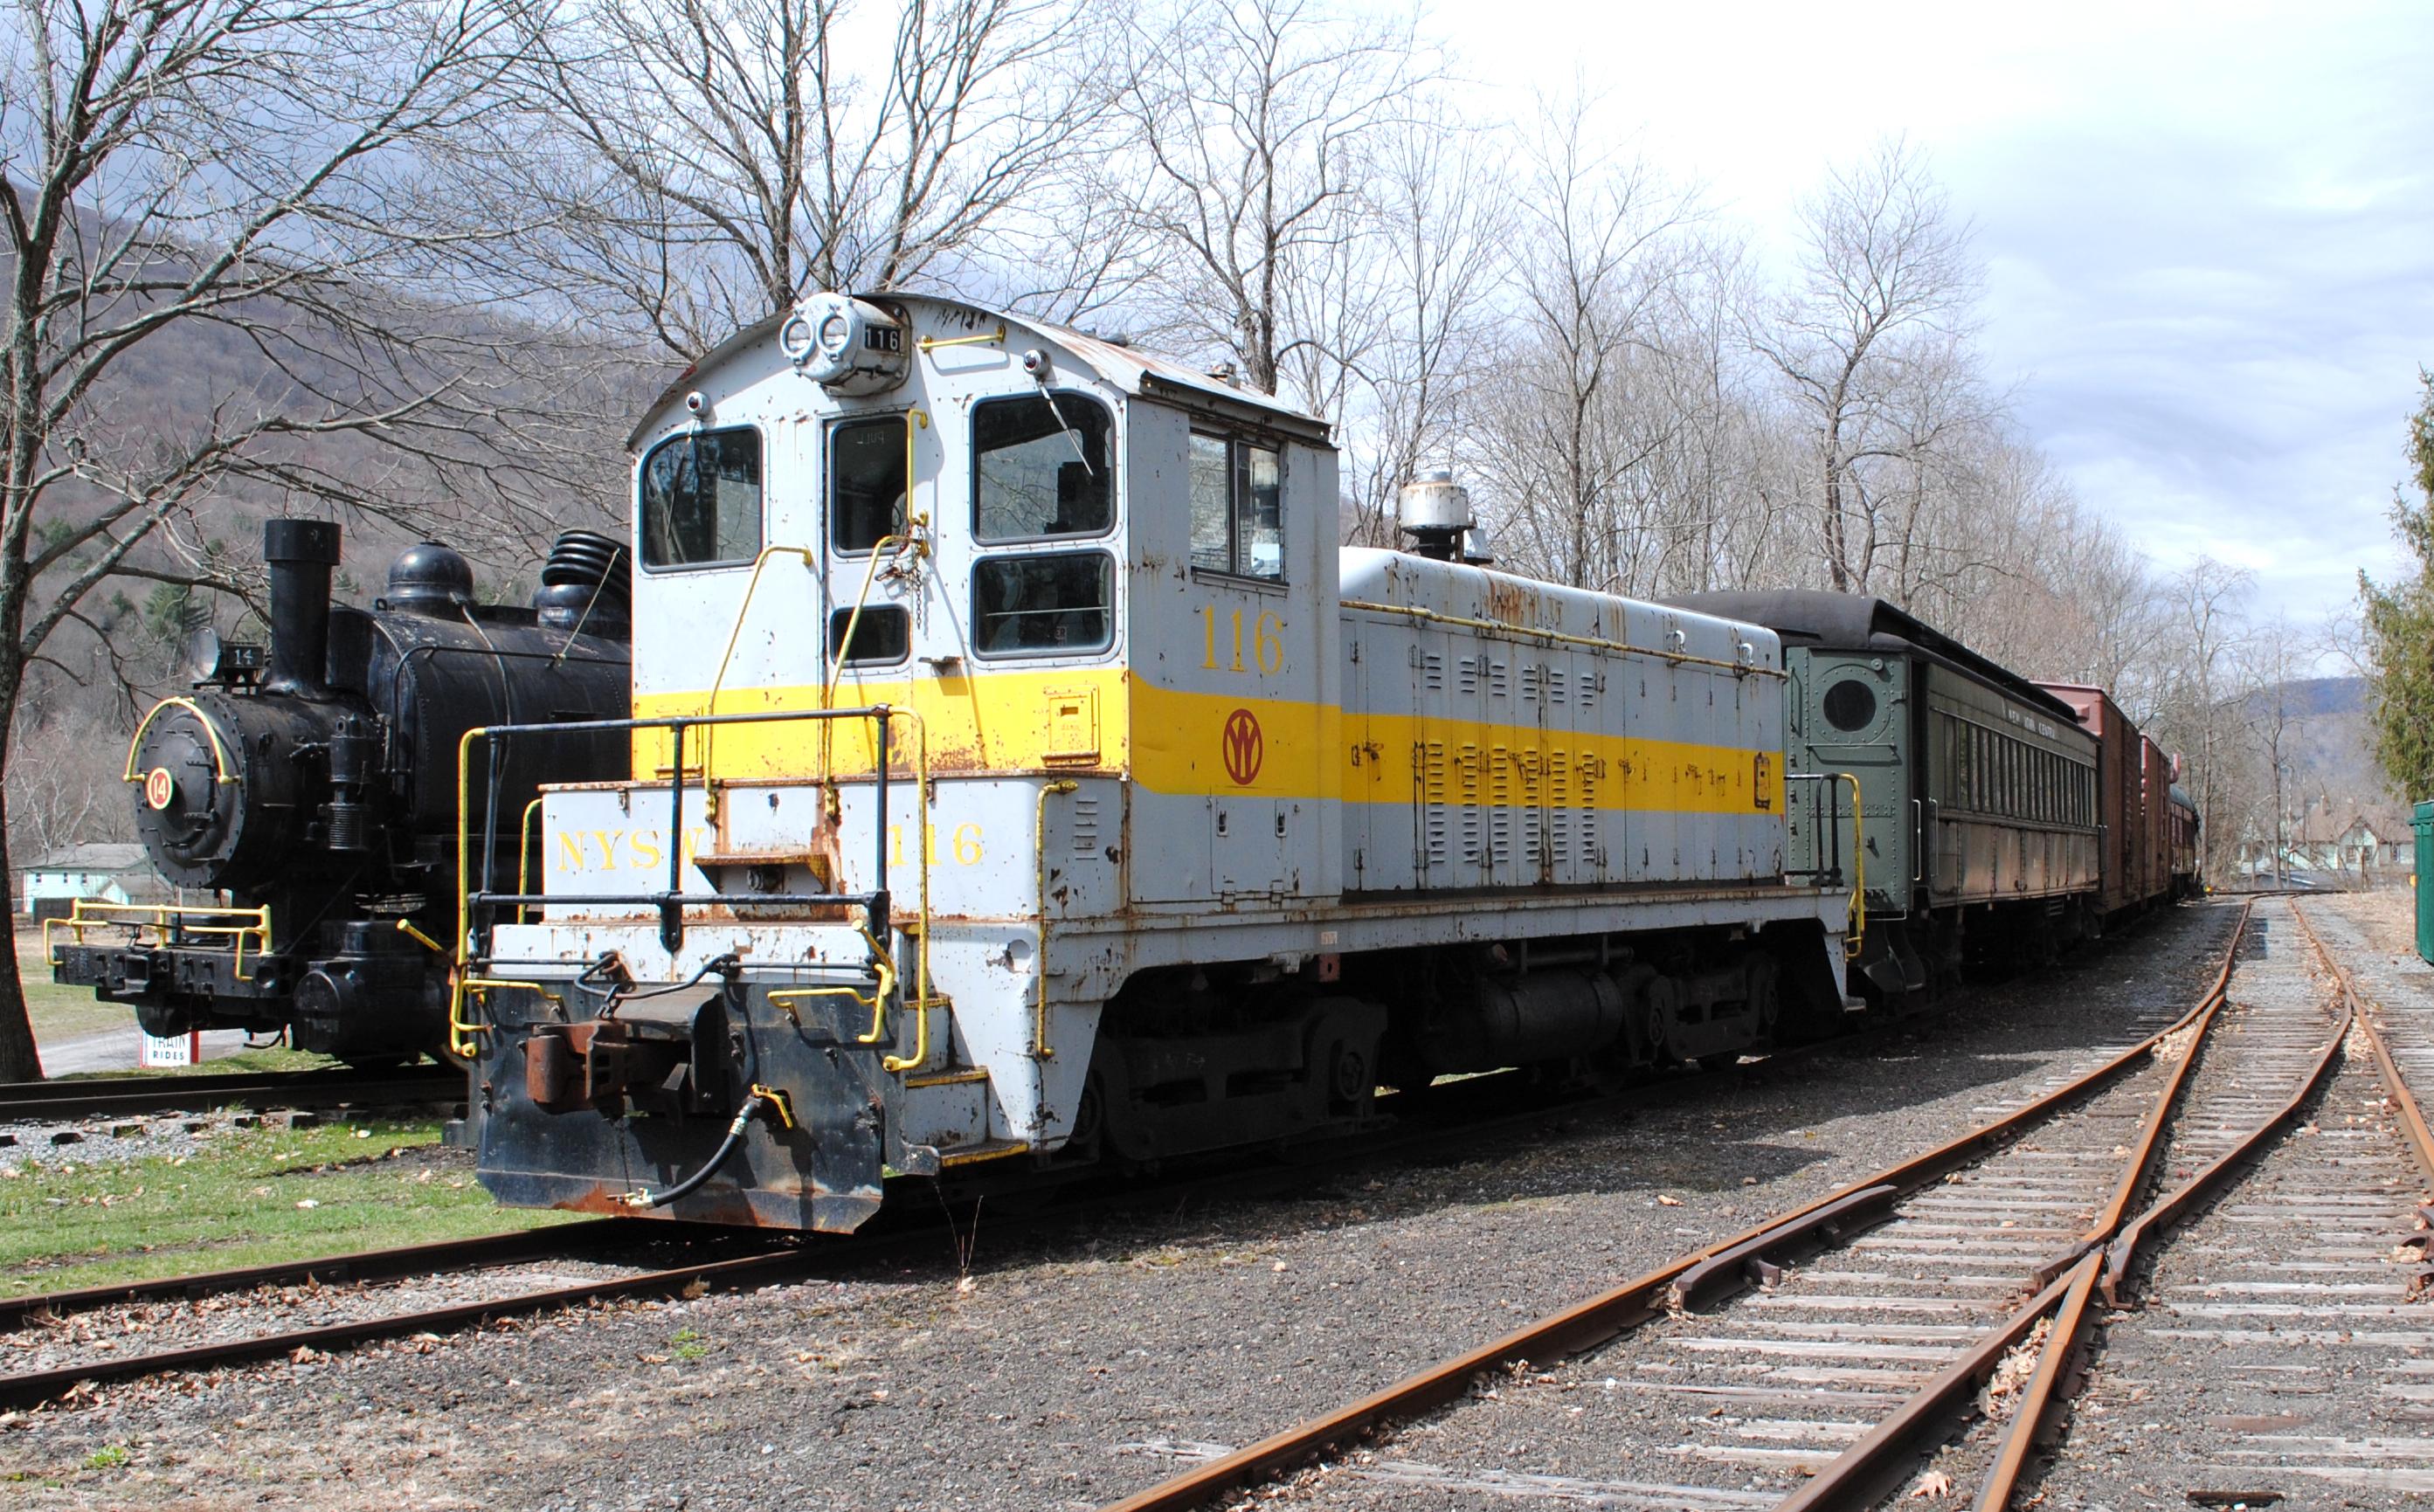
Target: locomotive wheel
column 1348, row 1078
column 1089, row 1113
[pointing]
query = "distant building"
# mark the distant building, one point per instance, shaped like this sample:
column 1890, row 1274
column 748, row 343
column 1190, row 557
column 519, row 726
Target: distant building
column 2366, row 848
column 105, row 872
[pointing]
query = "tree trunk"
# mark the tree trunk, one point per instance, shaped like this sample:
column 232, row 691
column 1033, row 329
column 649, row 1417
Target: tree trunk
column 18, row 1060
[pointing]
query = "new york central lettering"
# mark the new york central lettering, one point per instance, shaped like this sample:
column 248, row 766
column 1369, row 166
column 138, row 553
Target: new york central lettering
column 613, row 850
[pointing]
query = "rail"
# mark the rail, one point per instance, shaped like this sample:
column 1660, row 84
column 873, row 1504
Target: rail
column 1480, row 1108
column 195, row 1092
column 1623, row 1308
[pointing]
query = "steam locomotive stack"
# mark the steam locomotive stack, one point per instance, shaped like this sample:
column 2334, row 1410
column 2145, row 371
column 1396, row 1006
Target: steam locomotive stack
column 315, row 790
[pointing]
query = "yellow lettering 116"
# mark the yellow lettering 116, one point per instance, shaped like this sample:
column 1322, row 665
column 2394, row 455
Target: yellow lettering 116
column 1267, row 642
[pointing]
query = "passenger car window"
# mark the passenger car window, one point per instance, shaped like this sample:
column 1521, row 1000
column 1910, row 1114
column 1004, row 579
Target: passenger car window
column 1040, row 466
column 1237, row 507
column 701, row 500
column 865, row 482
column 1042, row 604
column 884, row 633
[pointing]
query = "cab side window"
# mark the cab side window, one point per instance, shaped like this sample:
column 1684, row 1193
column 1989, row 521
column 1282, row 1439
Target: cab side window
column 700, row 503
column 1237, row 507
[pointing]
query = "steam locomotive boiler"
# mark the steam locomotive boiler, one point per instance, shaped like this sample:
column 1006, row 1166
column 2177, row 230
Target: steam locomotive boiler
column 304, row 801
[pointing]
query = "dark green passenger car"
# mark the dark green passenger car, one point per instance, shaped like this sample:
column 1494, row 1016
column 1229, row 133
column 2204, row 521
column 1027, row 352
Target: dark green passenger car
column 1976, row 833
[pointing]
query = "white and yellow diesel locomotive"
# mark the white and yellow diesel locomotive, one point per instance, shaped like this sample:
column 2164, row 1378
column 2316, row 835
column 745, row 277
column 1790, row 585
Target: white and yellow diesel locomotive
column 1024, row 775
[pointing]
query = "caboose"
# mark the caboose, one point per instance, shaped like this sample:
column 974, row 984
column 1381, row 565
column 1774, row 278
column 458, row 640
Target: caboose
column 1022, row 777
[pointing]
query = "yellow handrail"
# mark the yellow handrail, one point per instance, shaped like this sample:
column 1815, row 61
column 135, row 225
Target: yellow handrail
column 462, row 1029
column 883, row 965
column 461, row 963
column 93, row 914
column 930, row 343
column 920, row 1056
column 734, row 634
column 1039, row 857
column 220, row 773
column 1858, row 874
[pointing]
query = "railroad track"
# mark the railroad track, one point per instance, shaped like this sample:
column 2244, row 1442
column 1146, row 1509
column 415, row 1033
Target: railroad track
column 1728, row 1379
column 2276, row 1355
column 701, row 1256
column 23, row 1102
column 687, row 1259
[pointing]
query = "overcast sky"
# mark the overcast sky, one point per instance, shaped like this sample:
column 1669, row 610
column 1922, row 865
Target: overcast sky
column 2208, row 229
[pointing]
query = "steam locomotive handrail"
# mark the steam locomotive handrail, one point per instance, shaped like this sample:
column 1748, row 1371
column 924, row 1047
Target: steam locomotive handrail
column 169, row 918
column 672, row 901
column 220, row 773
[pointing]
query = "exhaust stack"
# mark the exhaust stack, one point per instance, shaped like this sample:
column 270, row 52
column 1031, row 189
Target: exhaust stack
column 301, row 554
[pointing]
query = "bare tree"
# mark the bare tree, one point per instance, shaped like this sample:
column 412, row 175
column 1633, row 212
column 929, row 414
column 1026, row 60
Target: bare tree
column 58, row 795
column 2205, row 655
column 1254, row 130
column 1439, row 230
column 2271, row 661
column 707, row 164
column 173, row 170
column 1868, row 341
column 1605, row 248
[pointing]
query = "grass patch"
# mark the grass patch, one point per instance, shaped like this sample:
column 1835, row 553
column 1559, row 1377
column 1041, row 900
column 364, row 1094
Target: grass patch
column 237, row 1202
column 62, row 1012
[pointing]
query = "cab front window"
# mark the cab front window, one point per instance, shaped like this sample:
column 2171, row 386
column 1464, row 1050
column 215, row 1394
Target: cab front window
column 866, row 482
column 1040, row 467
column 700, row 503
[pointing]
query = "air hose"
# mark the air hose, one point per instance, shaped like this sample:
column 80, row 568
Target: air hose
column 760, row 1097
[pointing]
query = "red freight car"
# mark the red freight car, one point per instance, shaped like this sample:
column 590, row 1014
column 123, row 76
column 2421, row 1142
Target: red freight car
column 2155, row 864
column 2132, row 779
column 2183, row 822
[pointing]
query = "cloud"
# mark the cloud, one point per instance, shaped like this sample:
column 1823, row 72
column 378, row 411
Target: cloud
column 2209, row 237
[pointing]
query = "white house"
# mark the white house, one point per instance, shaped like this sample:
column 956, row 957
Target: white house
column 107, row 872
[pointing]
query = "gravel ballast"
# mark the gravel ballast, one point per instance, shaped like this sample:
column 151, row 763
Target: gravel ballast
column 1032, row 1379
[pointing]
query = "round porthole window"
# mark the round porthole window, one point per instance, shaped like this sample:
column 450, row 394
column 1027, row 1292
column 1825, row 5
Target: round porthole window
column 1850, row 704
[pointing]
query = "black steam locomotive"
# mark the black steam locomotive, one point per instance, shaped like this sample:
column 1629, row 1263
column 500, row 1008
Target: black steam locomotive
column 314, row 790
